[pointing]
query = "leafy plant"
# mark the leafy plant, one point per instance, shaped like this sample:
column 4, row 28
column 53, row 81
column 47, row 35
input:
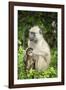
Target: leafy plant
column 51, row 72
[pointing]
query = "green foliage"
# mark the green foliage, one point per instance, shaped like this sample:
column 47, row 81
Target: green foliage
column 21, row 66
column 51, row 72
column 44, row 20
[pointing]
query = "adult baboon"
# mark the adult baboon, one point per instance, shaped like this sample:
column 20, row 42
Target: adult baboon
column 41, row 50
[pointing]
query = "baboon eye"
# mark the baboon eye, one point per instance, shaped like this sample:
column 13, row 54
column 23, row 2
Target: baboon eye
column 32, row 33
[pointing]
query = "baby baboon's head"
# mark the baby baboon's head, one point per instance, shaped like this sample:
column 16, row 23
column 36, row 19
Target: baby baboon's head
column 29, row 51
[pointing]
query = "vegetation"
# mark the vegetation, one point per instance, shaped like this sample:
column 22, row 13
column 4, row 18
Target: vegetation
column 47, row 21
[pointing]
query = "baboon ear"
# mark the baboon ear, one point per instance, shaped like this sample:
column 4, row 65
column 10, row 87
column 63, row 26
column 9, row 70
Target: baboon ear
column 40, row 31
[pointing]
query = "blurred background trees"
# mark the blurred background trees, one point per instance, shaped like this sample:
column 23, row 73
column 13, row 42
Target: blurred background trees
column 47, row 21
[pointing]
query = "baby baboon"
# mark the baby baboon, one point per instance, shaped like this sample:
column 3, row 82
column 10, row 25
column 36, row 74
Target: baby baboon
column 29, row 59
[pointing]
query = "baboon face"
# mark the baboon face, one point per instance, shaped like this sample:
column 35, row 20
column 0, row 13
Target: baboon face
column 29, row 51
column 35, row 34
